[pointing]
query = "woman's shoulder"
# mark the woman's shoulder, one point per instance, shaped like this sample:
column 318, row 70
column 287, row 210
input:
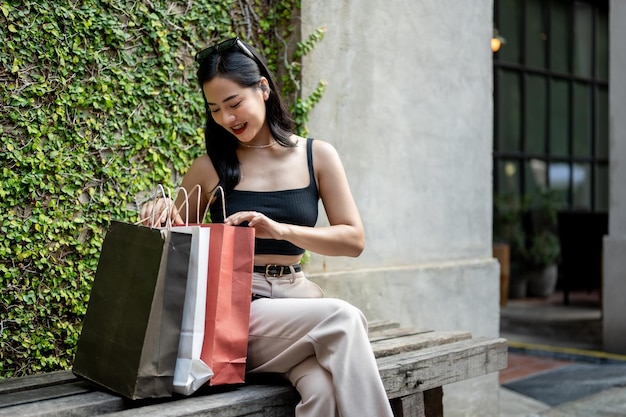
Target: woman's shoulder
column 202, row 164
column 203, row 172
column 326, row 159
column 323, row 149
column 318, row 145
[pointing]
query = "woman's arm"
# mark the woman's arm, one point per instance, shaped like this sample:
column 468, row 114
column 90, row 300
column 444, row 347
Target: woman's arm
column 345, row 235
column 200, row 173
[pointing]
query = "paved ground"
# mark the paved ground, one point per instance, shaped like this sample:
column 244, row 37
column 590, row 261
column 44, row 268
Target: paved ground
column 556, row 364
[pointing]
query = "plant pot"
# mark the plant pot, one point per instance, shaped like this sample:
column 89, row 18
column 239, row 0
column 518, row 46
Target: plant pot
column 518, row 287
column 542, row 282
column 502, row 252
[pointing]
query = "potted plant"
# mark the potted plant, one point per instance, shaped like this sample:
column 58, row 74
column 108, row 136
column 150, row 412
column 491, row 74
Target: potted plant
column 541, row 250
column 529, row 229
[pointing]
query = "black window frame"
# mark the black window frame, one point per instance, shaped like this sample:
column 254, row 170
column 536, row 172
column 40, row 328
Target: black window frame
column 521, row 157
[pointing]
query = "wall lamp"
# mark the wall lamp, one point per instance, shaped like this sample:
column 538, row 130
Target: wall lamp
column 496, row 41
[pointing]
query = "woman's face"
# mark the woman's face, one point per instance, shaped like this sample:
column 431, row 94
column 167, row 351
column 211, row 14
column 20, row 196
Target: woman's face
column 240, row 110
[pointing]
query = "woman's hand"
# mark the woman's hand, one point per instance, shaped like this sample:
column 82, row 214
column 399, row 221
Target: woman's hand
column 264, row 227
column 155, row 212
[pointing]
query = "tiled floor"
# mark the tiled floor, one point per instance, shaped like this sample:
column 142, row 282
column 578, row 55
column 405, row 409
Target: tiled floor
column 559, row 345
column 531, row 320
column 545, row 322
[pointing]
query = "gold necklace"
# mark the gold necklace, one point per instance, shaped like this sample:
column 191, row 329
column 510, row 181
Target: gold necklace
column 245, row 145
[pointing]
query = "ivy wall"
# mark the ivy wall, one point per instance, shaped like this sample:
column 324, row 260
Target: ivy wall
column 99, row 104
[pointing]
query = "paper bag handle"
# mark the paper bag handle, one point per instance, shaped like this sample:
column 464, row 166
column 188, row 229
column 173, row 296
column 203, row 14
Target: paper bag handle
column 186, row 203
column 168, row 207
column 169, row 204
column 219, row 187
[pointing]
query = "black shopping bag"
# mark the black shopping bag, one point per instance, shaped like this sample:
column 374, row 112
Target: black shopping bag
column 130, row 334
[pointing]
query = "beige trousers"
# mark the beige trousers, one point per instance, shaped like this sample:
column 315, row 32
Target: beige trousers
column 319, row 344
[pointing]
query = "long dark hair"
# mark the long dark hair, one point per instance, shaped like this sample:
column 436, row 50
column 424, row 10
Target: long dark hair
column 221, row 145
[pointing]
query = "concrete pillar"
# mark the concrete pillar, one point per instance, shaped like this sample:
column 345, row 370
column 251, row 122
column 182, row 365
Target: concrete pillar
column 409, row 106
column 614, row 284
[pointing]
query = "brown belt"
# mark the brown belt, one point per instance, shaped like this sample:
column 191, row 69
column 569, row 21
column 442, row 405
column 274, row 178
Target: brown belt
column 257, row 296
column 276, row 271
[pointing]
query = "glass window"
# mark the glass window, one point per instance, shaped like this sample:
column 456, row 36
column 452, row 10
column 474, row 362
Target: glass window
column 509, row 111
column 509, row 28
column 583, row 36
column 602, row 125
column 559, row 36
column 581, row 186
column 582, row 119
column 508, row 175
column 602, row 46
column 602, row 188
column 560, row 179
column 559, row 117
column 551, row 100
column 535, row 114
column 536, row 177
column 536, row 36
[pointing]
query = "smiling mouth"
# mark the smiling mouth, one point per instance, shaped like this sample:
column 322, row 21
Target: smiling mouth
column 239, row 128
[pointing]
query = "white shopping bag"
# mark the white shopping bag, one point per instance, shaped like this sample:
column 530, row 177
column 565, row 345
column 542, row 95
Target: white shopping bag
column 191, row 372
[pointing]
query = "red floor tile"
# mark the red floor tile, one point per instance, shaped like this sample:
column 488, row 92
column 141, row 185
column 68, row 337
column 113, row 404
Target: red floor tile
column 521, row 366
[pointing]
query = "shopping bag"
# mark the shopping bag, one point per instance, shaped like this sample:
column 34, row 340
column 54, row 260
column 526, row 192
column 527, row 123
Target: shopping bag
column 131, row 330
column 191, row 372
column 229, row 291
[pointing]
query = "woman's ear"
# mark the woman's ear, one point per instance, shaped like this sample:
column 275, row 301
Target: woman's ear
column 265, row 88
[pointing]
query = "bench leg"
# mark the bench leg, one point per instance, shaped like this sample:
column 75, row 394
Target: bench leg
column 408, row 406
column 433, row 402
column 421, row 404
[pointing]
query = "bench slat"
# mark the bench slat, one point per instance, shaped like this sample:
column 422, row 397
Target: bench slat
column 85, row 405
column 379, row 325
column 21, row 383
column 395, row 332
column 249, row 400
column 44, row 393
column 387, row 347
column 437, row 366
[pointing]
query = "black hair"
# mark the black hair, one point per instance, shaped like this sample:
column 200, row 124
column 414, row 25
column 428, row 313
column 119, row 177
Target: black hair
column 221, row 145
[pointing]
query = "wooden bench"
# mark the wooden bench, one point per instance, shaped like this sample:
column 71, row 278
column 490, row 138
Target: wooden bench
column 414, row 365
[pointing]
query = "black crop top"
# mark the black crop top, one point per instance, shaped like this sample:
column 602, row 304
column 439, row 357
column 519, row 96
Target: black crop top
column 296, row 206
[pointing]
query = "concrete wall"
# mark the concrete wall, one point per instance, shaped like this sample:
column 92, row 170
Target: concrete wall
column 615, row 243
column 409, row 107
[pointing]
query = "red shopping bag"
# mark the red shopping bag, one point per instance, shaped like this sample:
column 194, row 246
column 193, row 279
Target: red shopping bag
column 229, row 291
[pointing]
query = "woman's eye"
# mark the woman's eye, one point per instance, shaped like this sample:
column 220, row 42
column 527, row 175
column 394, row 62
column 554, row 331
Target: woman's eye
column 232, row 106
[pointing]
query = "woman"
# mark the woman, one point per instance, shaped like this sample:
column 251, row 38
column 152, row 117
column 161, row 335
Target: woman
column 273, row 180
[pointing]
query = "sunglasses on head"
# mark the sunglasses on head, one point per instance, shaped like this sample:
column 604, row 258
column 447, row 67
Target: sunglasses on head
column 224, row 46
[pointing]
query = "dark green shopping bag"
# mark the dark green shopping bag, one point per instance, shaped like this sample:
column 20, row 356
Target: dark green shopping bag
column 130, row 334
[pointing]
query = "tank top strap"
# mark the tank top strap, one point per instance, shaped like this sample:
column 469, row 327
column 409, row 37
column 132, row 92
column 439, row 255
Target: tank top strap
column 309, row 157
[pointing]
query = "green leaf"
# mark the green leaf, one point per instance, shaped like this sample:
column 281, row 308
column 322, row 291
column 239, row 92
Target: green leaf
column 6, row 9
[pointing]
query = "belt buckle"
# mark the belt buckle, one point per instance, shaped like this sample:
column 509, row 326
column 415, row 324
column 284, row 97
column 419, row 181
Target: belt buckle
column 276, row 274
